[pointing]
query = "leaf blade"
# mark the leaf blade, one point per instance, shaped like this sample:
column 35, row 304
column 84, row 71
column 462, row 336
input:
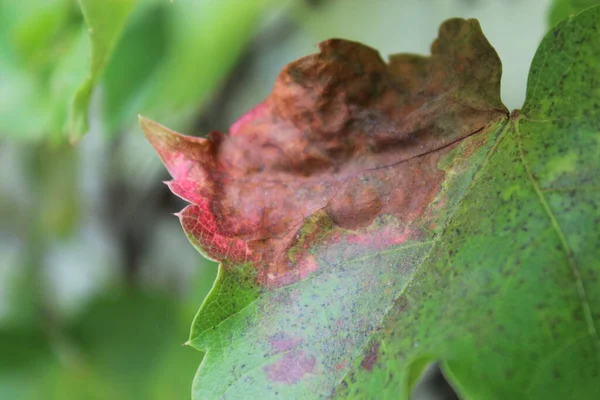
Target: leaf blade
column 477, row 274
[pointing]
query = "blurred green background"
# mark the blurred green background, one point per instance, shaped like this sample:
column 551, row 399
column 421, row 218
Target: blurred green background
column 98, row 284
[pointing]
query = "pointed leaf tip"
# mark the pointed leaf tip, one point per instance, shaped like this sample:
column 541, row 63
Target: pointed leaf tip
column 153, row 129
column 182, row 155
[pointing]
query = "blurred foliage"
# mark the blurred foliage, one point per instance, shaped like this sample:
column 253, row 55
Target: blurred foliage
column 562, row 9
column 154, row 56
column 126, row 346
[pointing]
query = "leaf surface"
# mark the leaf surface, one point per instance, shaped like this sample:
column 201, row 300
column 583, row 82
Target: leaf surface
column 373, row 217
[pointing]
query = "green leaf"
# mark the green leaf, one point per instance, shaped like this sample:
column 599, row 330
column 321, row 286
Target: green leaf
column 105, row 20
column 562, row 9
column 371, row 218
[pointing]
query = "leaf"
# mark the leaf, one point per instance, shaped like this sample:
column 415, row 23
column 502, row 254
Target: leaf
column 562, row 9
column 105, row 20
column 371, row 218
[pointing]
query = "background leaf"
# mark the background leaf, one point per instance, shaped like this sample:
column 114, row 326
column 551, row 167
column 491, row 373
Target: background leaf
column 105, row 21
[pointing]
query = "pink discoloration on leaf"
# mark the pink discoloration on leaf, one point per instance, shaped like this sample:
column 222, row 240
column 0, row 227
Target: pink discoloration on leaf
column 281, row 343
column 384, row 238
column 201, row 228
column 291, row 368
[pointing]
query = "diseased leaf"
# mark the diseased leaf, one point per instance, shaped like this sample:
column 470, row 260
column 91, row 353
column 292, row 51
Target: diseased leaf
column 371, row 218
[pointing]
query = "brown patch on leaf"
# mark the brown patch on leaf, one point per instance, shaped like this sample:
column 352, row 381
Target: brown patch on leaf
column 344, row 134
